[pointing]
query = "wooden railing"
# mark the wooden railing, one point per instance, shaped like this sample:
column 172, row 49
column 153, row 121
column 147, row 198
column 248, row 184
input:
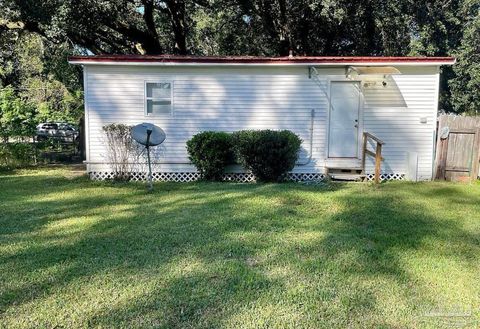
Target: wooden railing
column 377, row 155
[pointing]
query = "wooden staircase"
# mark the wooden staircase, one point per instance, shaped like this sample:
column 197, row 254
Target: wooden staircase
column 357, row 173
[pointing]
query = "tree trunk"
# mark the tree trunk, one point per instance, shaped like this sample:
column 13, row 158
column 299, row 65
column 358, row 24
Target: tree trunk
column 370, row 30
column 152, row 44
column 176, row 10
column 284, row 32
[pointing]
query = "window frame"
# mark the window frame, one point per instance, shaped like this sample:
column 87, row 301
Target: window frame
column 146, row 99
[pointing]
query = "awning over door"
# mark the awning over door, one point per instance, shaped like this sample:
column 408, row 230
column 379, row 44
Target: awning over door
column 372, row 70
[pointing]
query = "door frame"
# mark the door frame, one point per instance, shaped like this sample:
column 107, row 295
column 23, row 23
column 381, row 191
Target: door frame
column 360, row 115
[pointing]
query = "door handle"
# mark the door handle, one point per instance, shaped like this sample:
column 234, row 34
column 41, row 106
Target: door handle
column 356, row 126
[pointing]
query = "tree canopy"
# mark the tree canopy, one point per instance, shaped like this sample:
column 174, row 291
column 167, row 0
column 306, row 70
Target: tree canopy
column 245, row 27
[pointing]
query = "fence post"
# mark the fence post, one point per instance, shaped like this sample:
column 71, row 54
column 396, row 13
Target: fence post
column 364, row 151
column 378, row 161
column 476, row 155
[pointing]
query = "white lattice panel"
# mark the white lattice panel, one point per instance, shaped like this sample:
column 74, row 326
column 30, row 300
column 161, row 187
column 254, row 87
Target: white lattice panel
column 384, row 177
column 305, row 177
column 228, row 177
column 141, row 176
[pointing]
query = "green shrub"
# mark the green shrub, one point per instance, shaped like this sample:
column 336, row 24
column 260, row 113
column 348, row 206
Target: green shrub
column 16, row 155
column 210, row 152
column 269, row 154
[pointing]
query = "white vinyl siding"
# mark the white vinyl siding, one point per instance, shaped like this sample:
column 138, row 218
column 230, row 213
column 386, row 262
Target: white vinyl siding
column 231, row 99
column 208, row 99
column 401, row 127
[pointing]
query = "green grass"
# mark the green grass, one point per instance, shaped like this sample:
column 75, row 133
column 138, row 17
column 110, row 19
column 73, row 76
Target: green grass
column 76, row 253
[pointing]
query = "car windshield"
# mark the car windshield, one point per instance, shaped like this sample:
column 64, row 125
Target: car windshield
column 65, row 126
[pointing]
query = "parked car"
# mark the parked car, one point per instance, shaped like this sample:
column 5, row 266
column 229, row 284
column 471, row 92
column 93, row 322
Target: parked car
column 59, row 130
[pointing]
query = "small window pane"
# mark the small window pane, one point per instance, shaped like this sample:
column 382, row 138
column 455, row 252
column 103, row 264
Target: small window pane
column 159, row 107
column 159, row 90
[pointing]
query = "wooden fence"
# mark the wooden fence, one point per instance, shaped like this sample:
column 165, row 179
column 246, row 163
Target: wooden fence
column 458, row 148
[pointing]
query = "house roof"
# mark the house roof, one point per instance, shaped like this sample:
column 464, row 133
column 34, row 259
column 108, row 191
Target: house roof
column 255, row 60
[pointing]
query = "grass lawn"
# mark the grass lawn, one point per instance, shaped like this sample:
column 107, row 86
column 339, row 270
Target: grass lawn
column 76, row 253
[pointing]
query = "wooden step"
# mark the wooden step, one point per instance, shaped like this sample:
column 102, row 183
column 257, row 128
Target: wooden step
column 344, row 170
column 347, row 177
column 331, row 168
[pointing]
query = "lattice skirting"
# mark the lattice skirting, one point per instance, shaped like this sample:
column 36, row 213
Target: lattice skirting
column 305, row 177
column 193, row 176
column 229, row 177
column 383, row 177
column 141, row 176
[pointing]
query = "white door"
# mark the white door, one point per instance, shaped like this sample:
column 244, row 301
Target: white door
column 344, row 114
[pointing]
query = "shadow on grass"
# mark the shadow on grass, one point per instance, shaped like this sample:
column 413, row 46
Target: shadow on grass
column 208, row 252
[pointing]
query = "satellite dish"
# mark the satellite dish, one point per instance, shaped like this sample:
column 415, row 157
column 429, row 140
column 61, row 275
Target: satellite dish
column 140, row 134
column 149, row 135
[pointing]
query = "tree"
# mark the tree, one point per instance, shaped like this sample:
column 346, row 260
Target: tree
column 465, row 85
column 271, row 27
column 17, row 118
column 32, row 87
column 115, row 26
column 311, row 27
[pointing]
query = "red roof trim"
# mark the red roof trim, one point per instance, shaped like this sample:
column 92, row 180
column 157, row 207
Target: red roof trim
column 255, row 60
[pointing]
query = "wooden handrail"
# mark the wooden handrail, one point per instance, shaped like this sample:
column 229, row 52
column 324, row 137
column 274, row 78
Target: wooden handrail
column 377, row 154
column 375, row 138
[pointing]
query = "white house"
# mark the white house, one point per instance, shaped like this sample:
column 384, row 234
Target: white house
column 330, row 102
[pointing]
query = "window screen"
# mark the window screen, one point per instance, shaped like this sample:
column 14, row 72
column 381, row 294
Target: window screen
column 158, row 98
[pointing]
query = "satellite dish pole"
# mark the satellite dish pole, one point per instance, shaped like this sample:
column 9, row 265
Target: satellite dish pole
column 147, row 146
column 149, row 135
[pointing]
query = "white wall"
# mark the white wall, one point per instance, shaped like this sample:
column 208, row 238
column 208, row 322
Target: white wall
column 231, row 99
column 401, row 127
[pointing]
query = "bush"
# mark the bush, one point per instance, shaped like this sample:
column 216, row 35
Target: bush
column 269, row 154
column 122, row 151
column 210, row 152
column 16, row 155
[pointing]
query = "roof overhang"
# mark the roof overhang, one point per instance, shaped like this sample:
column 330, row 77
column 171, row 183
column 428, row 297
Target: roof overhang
column 373, row 70
column 164, row 60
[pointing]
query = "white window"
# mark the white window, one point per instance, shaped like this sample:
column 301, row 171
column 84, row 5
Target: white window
column 158, row 98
